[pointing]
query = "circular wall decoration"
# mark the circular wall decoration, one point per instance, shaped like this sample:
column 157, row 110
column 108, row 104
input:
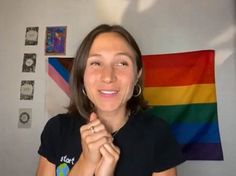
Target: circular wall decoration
column 24, row 117
column 29, row 62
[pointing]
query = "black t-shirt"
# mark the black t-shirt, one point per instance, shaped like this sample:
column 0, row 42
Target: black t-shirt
column 145, row 142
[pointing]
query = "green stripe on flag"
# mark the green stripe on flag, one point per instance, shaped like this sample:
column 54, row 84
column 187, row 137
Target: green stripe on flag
column 206, row 112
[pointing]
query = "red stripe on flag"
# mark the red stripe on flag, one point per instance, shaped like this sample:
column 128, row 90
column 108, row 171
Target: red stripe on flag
column 196, row 67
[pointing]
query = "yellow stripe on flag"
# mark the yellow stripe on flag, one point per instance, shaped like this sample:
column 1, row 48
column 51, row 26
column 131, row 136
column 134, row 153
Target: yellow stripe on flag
column 199, row 93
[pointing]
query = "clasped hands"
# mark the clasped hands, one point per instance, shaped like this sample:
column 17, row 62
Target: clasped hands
column 98, row 148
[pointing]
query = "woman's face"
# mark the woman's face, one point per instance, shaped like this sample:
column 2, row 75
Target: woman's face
column 110, row 73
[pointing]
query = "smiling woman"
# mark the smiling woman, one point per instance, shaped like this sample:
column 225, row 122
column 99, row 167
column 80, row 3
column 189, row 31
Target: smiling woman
column 107, row 131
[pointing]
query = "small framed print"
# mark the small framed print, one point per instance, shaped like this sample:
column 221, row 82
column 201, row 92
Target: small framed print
column 31, row 36
column 25, row 118
column 27, row 90
column 29, row 62
column 55, row 42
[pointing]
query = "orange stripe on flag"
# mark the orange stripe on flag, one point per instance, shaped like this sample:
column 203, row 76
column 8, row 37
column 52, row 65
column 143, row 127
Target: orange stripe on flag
column 195, row 67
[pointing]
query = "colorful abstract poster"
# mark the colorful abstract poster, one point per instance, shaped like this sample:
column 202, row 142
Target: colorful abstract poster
column 179, row 87
column 55, row 42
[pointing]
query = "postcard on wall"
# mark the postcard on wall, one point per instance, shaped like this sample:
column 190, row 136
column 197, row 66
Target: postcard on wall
column 27, row 90
column 25, row 118
column 29, row 62
column 31, row 36
column 55, row 42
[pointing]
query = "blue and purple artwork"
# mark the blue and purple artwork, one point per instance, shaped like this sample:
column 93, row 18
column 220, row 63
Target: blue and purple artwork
column 55, row 43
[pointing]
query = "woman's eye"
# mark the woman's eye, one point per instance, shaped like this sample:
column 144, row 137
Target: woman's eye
column 95, row 63
column 123, row 63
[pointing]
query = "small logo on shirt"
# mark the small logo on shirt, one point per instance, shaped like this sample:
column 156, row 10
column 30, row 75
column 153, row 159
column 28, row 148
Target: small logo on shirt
column 63, row 170
column 67, row 160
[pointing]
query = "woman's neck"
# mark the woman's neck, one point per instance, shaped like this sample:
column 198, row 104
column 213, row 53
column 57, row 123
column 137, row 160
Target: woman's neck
column 113, row 120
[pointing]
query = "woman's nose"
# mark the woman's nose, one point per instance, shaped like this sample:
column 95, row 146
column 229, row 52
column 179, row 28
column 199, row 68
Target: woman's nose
column 108, row 74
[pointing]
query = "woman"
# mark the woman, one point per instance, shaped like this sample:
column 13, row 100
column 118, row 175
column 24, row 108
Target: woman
column 107, row 130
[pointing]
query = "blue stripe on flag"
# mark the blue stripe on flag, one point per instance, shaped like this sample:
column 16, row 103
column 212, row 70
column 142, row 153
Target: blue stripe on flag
column 60, row 69
column 196, row 132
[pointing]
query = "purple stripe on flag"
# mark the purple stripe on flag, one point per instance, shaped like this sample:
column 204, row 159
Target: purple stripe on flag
column 203, row 151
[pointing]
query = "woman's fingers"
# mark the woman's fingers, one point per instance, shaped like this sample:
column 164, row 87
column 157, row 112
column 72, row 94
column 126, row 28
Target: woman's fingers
column 94, row 134
column 111, row 148
column 93, row 116
column 110, row 156
column 110, row 152
column 103, row 135
column 97, row 143
column 115, row 148
column 91, row 124
column 91, row 133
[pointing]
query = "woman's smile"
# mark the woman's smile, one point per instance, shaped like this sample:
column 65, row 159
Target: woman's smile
column 108, row 93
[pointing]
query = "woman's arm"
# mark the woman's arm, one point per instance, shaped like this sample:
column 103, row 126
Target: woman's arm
column 45, row 168
column 169, row 172
column 82, row 167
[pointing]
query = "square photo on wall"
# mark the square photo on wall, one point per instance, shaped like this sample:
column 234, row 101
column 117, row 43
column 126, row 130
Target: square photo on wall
column 31, row 36
column 27, row 90
column 29, row 62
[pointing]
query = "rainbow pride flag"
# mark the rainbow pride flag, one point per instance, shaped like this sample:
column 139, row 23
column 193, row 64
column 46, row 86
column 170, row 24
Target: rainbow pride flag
column 180, row 87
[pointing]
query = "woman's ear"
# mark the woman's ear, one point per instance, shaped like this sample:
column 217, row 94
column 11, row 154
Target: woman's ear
column 138, row 75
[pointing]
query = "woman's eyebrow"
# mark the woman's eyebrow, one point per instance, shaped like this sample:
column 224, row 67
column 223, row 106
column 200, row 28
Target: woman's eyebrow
column 124, row 54
column 94, row 55
column 117, row 54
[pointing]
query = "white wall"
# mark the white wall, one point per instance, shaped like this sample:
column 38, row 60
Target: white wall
column 160, row 26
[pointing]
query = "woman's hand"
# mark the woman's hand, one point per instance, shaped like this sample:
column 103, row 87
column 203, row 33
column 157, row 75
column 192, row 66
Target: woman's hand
column 93, row 136
column 110, row 156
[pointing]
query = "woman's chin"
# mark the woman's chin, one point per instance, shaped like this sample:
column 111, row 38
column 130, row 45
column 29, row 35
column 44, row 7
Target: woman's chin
column 108, row 108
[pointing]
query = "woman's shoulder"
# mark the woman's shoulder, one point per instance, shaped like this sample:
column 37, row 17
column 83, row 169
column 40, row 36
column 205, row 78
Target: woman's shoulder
column 64, row 121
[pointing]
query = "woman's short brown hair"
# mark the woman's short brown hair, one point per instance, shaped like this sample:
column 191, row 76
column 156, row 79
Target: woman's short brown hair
column 79, row 102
